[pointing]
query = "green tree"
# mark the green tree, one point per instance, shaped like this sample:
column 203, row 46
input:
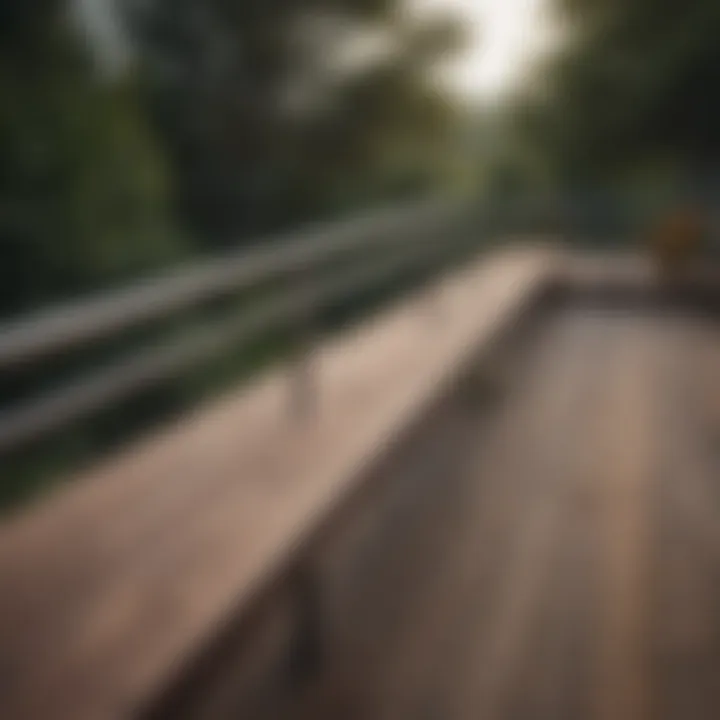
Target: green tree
column 268, row 119
column 635, row 87
column 82, row 186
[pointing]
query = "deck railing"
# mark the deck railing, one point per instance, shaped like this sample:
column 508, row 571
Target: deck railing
column 378, row 246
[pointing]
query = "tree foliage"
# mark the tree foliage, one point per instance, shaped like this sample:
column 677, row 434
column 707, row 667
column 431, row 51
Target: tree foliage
column 233, row 117
column 82, row 186
column 267, row 120
column 635, row 85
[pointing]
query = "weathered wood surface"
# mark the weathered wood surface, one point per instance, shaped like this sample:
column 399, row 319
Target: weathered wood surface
column 576, row 573
column 111, row 583
column 549, row 551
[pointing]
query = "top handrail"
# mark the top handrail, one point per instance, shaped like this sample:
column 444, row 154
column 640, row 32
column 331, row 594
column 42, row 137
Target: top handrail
column 46, row 332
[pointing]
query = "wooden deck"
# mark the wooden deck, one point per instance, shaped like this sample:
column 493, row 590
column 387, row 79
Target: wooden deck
column 575, row 549
column 543, row 545
column 112, row 584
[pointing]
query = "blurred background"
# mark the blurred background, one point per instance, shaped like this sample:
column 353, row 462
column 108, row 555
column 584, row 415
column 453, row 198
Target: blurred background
column 139, row 134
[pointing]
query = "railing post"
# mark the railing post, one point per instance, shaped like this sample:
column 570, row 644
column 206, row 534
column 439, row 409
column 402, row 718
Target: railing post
column 434, row 300
column 308, row 654
column 303, row 373
column 304, row 391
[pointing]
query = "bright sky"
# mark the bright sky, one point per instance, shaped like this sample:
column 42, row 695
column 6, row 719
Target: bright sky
column 507, row 35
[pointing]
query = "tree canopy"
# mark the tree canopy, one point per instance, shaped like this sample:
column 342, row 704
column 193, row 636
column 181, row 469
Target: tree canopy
column 267, row 118
column 232, row 117
column 635, row 85
column 82, row 185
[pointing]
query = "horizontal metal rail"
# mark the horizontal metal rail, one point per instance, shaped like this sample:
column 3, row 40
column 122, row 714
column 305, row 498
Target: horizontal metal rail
column 35, row 418
column 77, row 323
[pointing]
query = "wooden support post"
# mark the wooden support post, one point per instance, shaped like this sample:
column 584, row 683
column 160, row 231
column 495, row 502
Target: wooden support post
column 303, row 381
column 308, row 650
column 304, row 391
